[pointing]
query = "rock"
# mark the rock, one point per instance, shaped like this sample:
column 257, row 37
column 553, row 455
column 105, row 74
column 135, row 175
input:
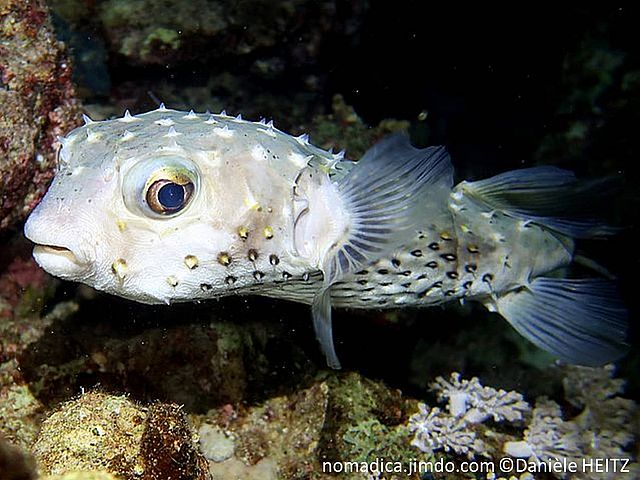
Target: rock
column 37, row 103
column 111, row 434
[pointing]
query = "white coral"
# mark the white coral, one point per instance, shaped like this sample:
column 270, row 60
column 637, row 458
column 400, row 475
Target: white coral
column 476, row 403
column 584, row 386
column 468, row 403
column 436, row 430
column 548, row 436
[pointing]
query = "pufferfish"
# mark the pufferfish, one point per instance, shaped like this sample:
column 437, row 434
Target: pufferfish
column 169, row 206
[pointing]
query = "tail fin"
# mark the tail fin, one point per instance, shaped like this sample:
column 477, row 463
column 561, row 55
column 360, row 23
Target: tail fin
column 579, row 321
column 549, row 196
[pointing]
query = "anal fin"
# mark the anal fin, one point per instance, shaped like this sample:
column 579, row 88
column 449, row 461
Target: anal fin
column 579, row 321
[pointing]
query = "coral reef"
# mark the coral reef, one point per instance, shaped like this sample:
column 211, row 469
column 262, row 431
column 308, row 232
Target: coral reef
column 37, row 103
column 203, row 30
column 344, row 129
column 605, row 427
column 469, row 404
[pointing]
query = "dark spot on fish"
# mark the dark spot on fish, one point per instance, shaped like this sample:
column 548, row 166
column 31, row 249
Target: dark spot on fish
column 446, row 236
column 395, row 262
column 467, row 285
column 471, row 267
column 305, row 276
column 362, row 282
column 416, row 253
column 383, row 271
column 286, row 275
column 205, row 287
column 382, row 301
column 252, row 255
column 487, row 277
column 421, row 277
column 230, row 280
column 473, row 249
column 385, row 284
column 448, row 293
column 452, row 275
column 431, row 264
column 406, row 273
column 273, row 259
column 362, row 272
column 431, row 287
column 434, row 246
column 405, row 285
column 368, row 289
column 258, row 275
column 449, row 257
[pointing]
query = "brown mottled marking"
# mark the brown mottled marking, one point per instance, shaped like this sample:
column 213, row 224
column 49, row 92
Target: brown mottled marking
column 243, row 233
column 472, row 248
column 191, row 261
column 119, row 268
column 224, row 259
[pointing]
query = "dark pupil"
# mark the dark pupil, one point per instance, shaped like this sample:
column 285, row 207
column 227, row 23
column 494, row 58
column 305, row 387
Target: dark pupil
column 171, row 196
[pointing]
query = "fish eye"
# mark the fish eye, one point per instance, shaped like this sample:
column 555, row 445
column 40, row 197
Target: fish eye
column 160, row 186
column 167, row 197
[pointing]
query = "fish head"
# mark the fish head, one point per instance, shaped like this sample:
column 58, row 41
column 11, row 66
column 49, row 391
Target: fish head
column 165, row 219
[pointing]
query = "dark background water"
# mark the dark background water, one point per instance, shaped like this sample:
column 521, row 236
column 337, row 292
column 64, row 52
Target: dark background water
column 502, row 88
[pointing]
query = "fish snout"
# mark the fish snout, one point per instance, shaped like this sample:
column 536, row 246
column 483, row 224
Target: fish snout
column 63, row 254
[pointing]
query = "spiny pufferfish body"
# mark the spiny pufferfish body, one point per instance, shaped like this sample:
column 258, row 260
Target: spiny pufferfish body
column 170, row 206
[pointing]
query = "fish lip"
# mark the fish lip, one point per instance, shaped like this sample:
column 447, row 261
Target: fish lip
column 60, row 260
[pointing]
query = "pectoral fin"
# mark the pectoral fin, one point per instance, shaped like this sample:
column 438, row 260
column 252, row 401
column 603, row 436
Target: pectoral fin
column 381, row 196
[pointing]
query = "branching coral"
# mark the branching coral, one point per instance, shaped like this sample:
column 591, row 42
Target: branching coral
column 469, row 403
column 603, row 429
column 478, row 403
column 548, row 436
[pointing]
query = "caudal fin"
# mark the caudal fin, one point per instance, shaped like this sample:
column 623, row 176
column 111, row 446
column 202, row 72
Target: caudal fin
column 579, row 321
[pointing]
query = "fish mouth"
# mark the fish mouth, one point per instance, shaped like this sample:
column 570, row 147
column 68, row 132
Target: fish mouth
column 59, row 260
